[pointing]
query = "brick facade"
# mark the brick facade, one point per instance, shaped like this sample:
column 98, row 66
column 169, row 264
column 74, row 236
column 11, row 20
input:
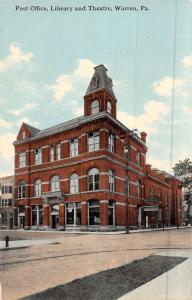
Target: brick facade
column 91, row 172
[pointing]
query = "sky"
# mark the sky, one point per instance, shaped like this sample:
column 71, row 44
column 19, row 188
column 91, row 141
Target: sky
column 47, row 60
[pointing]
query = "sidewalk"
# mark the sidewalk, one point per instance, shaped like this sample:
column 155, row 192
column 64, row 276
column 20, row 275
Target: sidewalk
column 25, row 243
column 175, row 284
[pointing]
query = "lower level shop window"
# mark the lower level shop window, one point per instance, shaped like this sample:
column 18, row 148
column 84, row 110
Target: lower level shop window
column 94, row 212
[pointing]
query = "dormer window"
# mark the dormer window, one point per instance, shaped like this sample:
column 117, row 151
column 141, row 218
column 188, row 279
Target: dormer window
column 109, row 108
column 23, row 135
column 94, row 83
column 94, row 107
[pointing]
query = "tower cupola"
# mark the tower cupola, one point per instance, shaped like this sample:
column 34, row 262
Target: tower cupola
column 100, row 96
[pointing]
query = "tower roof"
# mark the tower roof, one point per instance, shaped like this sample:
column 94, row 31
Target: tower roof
column 100, row 80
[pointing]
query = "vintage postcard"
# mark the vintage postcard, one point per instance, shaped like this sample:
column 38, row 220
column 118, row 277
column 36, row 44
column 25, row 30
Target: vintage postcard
column 96, row 149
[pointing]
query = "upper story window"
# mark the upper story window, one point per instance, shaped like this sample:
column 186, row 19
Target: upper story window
column 152, row 193
column 58, row 151
column 109, row 108
column 74, row 147
column 138, row 158
column 111, row 181
column 52, row 153
column 94, row 107
column 93, row 179
column 10, row 202
column 159, row 195
column 74, row 184
column 22, row 159
column 38, row 188
column 55, row 184
column 6, row 189
column 127, row 185
column 111, row 143
column 93, row 141
column 21, row 189
column 23, row 135
column 127, row 151
column 38, row 156
column 139, row 189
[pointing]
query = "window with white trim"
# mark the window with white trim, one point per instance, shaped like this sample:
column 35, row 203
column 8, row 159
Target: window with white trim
column 93, row 179
column 58, row 151
column 94, row 107
column 139, row 189
column 37, row 187
column 127, row 185
column 127, row 151
column 111, row 142
column 52, row 153
column 111, row 181
column 93, row 141
column 109, row 108
column 138, row 158
column 38, row 156
column 74, row 183
column 22, row 159
column 55, row 184
column 21, row 189
column 74, row 147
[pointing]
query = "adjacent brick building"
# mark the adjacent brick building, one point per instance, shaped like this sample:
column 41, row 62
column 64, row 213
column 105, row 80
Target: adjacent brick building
column 90, row 173
column 6, row 202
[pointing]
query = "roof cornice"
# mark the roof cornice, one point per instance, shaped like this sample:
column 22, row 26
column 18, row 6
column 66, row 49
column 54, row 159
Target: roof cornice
column 77, row 122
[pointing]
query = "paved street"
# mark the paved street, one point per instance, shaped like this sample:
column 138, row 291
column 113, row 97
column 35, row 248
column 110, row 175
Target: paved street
column 38, row 267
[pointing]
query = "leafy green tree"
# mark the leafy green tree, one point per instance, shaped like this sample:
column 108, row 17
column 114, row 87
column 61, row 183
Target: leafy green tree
column 183, row 170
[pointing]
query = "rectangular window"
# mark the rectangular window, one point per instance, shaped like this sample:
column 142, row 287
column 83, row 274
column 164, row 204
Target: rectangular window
column 74, row 147
column 22, row 159
column 93, row 141
column 38, row 156
column 52, row 153
column 10, row 189
column 58, row 151
column 10, row 202
column 111, row 143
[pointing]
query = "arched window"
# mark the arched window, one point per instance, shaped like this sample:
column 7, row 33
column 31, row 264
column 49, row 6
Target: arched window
column 55, row 184
column 74, row 184
column 93, row 179
column 38, row 188
column 127, row 151
column 21, row 189
column 109, row 108
column 94, row 107
column 139, row 189
column 111, row 181
column 127, row 185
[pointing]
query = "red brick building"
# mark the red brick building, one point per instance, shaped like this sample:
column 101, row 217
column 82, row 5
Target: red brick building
column 90, row 173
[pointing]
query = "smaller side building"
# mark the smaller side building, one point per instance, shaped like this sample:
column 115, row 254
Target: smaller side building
column 6, row 202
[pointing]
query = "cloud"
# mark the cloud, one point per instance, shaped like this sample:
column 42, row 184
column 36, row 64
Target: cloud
column 4, row 124
column 25, row 108
column 7, row 153
column 165, row 86
column 187, row 61
column 27, row 121
column 16, row 56
column 162, row 165
column 149, row 120
column 68, row 82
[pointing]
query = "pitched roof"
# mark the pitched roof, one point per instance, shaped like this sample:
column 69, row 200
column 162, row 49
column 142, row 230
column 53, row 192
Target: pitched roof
column 32, row 129
column 100, row 80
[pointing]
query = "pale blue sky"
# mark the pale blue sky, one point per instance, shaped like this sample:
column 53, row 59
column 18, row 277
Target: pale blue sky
column 47, row 58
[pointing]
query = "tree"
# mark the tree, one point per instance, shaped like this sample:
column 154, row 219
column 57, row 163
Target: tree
column 183, row 170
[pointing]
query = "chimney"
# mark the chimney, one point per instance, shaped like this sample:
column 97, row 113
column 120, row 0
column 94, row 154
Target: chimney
column 148, row 168
column 143, row 136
